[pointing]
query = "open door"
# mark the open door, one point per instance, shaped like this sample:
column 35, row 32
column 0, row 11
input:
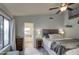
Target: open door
column 28, row 35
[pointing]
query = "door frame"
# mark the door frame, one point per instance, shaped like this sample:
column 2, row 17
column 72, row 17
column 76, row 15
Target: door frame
column 32, row 35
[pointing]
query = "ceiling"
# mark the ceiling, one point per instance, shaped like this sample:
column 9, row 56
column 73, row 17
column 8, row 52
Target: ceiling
column 21, row 9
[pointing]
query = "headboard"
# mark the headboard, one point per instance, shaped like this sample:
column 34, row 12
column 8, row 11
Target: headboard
column 45, row 32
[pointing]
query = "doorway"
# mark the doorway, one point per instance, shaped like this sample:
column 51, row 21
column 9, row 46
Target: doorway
column 28, row 35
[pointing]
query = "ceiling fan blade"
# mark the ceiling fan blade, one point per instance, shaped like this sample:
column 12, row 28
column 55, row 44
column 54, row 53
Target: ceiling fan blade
column 70, row 9
column 58, row 12
column 53, row 8
column 71, row 3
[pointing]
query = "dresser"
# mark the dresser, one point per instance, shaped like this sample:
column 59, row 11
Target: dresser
column 19, row 44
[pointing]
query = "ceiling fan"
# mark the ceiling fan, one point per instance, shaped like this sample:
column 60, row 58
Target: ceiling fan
column 63, row 7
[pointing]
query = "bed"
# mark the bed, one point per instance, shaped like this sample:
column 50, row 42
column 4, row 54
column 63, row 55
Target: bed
column 46, row 40
column 67, row 43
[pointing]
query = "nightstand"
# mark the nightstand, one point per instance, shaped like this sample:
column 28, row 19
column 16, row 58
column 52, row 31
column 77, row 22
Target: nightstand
column 39, row 43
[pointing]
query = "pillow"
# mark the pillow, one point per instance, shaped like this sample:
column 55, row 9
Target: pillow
column 46, row 36
column 55, row 36
column 58, row 36
column 51, row 36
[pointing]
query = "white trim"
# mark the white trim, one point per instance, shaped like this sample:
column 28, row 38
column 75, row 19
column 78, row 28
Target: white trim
column 2, row 13
column 2, row 50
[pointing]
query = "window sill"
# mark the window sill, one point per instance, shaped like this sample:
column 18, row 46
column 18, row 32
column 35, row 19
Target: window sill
column 4, row 50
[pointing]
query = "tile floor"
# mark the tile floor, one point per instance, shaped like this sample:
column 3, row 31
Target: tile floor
column 30, row 50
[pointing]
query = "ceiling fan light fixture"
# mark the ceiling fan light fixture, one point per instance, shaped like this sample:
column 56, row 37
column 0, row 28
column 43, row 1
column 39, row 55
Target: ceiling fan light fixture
column 63, row 8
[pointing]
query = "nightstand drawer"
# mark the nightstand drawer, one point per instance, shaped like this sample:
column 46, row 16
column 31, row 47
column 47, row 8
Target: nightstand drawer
column 39, row 43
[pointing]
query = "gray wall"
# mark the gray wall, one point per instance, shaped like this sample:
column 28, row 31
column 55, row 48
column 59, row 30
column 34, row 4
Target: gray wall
column 72, row 32
column 40, row 22
column 43, row 22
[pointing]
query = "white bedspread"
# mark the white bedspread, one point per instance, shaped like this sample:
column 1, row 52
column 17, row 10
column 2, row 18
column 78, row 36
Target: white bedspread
column 47, row 42
column 47, row 46
column 73, row 52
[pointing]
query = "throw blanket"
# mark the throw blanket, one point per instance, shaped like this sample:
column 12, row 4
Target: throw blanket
column 58, row 48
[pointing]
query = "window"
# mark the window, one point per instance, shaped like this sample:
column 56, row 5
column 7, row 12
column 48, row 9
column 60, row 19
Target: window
column 1, row 32
column 4, row 31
